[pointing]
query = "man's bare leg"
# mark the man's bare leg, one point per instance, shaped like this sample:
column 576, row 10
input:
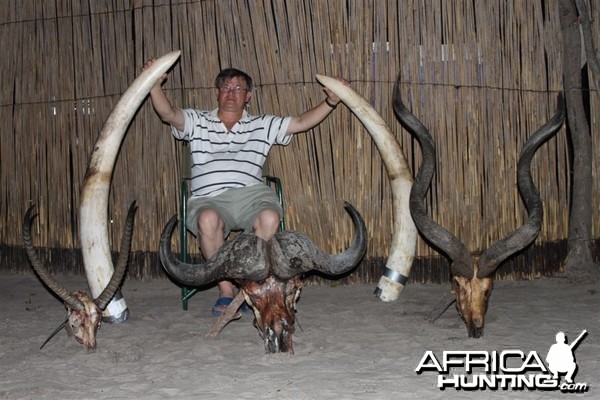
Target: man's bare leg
column 266, row 224
column 210, row 229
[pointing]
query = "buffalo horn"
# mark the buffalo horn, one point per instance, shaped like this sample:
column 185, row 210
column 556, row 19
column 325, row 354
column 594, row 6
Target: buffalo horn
column 293, row 253
column 241, row 258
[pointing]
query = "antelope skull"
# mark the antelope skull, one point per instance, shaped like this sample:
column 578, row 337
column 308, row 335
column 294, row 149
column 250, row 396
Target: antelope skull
column 472, row 275
column 267, row 272
column 84, row 314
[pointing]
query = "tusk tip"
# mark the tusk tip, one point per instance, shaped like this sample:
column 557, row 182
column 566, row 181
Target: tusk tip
column 172, row 55
column 324, row 79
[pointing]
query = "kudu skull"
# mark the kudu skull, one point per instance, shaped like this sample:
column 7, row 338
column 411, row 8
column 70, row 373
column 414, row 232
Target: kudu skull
column 472, row 275
column 84, row 314
column 267, row 272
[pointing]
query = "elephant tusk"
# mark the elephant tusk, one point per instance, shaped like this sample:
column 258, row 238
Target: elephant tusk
column 93, row 209
column 404, row 236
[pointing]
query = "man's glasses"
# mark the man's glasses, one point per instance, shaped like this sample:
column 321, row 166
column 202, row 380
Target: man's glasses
column 234, row 89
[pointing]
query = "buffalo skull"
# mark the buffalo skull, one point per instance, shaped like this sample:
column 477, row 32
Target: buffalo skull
column 472, row 275
column 84, row 314
column 267, row 272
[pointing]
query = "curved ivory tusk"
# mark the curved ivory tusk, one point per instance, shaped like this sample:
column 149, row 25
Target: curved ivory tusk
column 404, row 236
column 93, row 210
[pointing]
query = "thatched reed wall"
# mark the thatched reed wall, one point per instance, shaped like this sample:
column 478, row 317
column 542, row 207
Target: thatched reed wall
column 481, row 75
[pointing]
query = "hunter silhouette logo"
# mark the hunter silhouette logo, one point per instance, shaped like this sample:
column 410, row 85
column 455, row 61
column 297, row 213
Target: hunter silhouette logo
column 560, row 357
column 510, row 369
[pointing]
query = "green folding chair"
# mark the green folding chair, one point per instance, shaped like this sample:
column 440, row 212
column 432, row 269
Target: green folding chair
column 271, row 181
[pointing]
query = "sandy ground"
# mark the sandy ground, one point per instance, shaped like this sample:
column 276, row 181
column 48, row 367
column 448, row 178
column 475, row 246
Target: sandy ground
column 349, row 344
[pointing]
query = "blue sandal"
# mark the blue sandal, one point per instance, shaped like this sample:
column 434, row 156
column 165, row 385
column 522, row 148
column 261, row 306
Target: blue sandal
column 223, row 302
column 220, row 306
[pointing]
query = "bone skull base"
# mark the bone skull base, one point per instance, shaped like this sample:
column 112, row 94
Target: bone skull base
column 83, row 324
column 274, row 304
column 472, row 298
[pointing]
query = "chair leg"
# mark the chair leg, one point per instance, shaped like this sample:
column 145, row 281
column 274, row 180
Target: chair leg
column 186, row 294
column 184, row 298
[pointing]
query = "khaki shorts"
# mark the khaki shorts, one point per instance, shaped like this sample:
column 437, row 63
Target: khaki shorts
column 237, row 207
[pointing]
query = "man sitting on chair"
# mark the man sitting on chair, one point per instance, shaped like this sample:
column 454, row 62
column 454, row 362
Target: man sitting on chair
column 229, row 147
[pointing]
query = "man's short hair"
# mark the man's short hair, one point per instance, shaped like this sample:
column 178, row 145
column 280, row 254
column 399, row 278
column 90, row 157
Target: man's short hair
column 229, row 73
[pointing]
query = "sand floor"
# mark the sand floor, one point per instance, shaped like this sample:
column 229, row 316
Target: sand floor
column 348, row 344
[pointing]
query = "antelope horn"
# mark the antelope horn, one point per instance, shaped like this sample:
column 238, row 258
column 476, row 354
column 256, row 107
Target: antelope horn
column 93, row 227
column 115, row 280
column 449, row 244
column 242, row 258
column 293, row 253
column 64, row 294
column 522, row 237
column 404, row 236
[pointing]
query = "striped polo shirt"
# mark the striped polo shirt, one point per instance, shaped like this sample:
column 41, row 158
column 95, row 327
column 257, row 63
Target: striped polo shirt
column 222, row 159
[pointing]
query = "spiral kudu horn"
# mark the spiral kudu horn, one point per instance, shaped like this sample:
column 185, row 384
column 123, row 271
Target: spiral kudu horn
column 472, row 275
